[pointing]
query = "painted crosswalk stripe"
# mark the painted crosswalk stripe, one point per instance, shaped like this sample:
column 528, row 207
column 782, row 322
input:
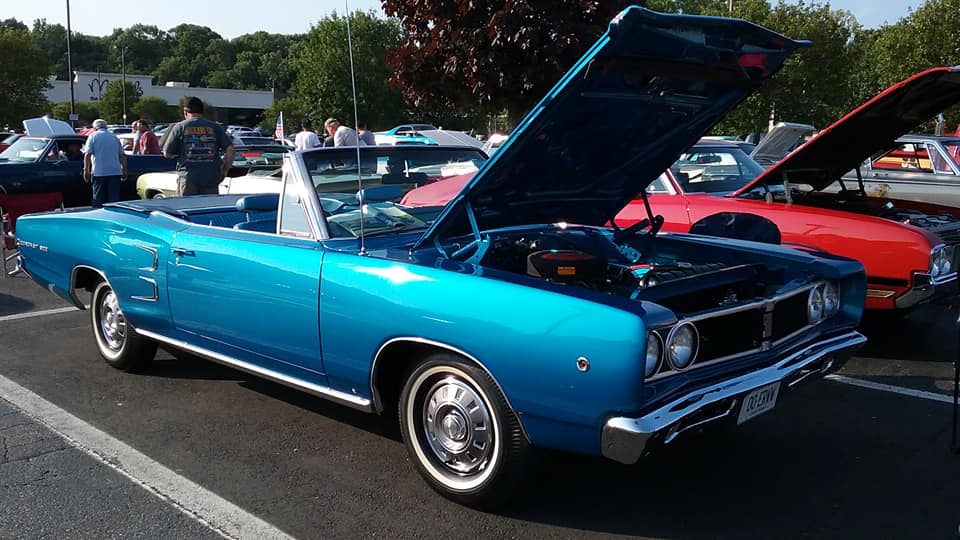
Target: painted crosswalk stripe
column 208, row 508
column 932, row 396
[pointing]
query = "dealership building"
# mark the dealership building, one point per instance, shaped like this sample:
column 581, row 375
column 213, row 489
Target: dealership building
column 244, row 107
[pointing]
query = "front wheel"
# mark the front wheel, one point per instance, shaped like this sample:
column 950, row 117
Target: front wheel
column 461, row 433
column 119, row 344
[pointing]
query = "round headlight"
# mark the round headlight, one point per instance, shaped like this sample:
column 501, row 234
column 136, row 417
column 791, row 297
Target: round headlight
column 936, row 261
column 815, row 306
column 831, row 299
column 654, row 351
column 943, row 262
column 682, row 345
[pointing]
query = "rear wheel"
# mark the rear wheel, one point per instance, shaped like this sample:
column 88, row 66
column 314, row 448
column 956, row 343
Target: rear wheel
column 461, row 433
column 119, row 344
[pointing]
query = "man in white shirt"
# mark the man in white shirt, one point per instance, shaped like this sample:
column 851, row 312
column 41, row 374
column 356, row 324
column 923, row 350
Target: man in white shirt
column 104, row 164
column 307, row 138
column 342, row 135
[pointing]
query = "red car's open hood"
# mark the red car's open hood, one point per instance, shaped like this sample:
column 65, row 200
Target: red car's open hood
column 871, row 128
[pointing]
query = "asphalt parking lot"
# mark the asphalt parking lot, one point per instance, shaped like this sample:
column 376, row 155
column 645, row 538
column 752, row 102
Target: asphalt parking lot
column 835, row 460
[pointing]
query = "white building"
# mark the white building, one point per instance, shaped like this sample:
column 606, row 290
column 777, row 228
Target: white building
column 89, row 86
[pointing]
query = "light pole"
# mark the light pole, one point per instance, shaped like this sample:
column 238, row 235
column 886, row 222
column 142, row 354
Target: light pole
column 123, row 82
column 70, row 68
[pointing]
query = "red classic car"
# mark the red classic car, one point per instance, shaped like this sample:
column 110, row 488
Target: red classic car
column 908, row 248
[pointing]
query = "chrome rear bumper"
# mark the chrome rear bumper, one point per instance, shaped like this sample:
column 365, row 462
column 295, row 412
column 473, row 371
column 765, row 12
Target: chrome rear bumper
column 625, row 439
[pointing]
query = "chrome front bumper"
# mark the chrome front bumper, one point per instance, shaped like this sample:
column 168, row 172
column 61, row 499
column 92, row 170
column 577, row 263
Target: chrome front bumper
column 626, row 439
column 927, row 289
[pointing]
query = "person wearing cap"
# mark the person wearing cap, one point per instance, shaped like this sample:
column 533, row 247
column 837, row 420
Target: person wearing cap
column 104, row 164
column 197, row 144
column 342, row 135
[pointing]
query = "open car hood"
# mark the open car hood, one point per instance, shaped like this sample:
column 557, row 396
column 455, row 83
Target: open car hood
column 868, row 129
column 644, row 93
column 784, row 137
column 46, row 126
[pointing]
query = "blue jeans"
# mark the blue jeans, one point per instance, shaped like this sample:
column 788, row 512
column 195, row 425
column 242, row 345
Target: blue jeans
column 105, row 189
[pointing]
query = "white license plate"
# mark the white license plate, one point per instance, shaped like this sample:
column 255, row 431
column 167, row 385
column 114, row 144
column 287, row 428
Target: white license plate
column 759, row 401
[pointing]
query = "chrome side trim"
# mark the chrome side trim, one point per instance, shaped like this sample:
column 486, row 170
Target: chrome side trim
column 156, row 258
column 625, row 439
column 73, row 280
column 326, row 392
column 156, row 291
column 378, row 407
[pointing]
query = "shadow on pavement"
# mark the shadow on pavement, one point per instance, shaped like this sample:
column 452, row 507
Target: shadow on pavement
column 10, row 305
column 928, row 334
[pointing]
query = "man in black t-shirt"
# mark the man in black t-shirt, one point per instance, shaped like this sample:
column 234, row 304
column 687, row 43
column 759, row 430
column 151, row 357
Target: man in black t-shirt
column 197, row 143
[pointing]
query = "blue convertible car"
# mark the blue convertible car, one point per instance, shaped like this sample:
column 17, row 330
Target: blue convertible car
column 512, row 318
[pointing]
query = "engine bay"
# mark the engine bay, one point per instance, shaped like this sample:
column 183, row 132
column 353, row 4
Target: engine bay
column 642, row 270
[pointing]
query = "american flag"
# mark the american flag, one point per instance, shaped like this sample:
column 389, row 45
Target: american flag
column 278, row 133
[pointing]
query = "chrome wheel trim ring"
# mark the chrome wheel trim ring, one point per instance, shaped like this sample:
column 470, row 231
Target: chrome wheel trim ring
column 112, row 324
column 442, row 430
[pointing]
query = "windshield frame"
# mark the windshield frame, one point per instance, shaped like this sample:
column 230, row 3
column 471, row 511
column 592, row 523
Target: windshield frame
column 326, row 224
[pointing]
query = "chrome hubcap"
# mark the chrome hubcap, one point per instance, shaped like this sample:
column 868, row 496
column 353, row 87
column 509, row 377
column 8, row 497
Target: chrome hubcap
column 458, row 427
column 113, row 326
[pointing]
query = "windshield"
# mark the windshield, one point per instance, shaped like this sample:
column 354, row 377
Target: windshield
column 25, row 149
column 343, row 217
column 334, row 170
column 714, row 170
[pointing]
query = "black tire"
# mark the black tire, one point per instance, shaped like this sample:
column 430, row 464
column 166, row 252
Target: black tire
column 480, row 468
column 119, row 345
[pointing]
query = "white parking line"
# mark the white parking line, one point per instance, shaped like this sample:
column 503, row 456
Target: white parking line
column 932, row 396
column 208, row 508
column 40, row 313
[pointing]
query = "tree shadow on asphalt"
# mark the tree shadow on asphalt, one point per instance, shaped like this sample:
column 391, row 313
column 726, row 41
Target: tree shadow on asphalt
column 928, row 334
column 819, row 478
column 10, row 305
column 183, row 365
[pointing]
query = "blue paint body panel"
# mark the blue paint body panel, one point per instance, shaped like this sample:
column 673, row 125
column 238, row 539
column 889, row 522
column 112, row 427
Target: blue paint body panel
column 323, row 312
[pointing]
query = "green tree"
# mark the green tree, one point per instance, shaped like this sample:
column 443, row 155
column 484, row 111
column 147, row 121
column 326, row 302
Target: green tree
column 323, row 84
column 154, row 109
column 146, row 46
column 14, row 24
column 111, row 102
column 23, row 76
column 86, row 51
column 195, row 51
column 88, row 112
column 293, row 110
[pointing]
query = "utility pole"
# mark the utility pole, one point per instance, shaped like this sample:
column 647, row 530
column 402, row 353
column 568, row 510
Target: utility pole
column 70, row 68
column 730, row 6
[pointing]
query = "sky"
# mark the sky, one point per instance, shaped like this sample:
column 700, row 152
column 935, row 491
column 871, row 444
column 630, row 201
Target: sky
column 231, row 18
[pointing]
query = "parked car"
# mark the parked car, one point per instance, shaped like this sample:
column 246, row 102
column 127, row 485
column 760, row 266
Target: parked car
column 513, row 319
column 6, row 139
column 921, row 168
column 909, row 248
column 42, row 165
column 784, row 138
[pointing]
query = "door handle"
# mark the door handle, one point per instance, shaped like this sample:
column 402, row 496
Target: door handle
column 180, row 252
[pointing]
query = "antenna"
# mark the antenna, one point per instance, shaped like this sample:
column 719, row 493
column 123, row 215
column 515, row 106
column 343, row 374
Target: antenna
column 356, row 122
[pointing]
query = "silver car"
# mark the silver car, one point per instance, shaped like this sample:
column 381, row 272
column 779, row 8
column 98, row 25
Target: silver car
column 920, row 168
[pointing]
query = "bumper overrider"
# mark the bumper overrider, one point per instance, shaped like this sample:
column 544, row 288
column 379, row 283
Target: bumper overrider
column 626, row 439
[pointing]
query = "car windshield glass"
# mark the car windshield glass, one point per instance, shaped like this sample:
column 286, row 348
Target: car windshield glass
column 714, row 170
column 25, row 149
column 334, row 170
